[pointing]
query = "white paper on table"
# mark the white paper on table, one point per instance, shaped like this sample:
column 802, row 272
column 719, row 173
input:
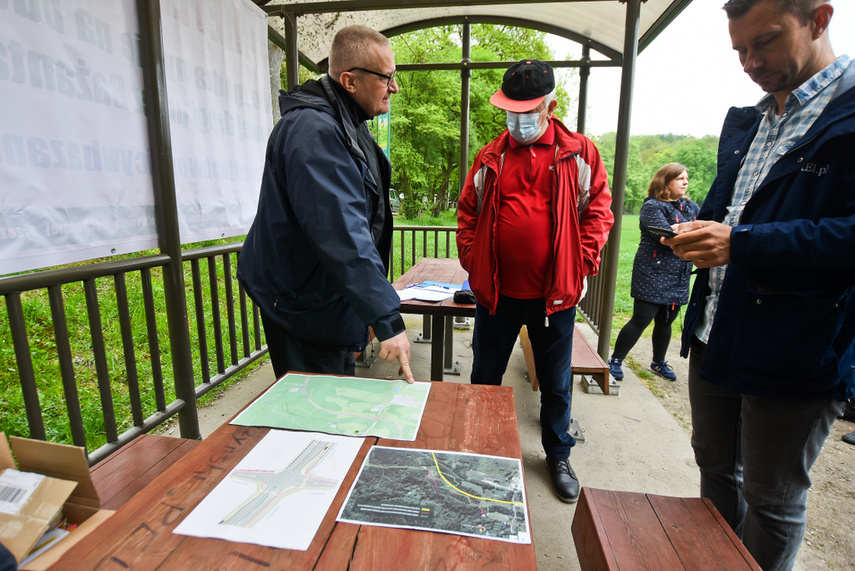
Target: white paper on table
column 278, row 494
column 425, row 293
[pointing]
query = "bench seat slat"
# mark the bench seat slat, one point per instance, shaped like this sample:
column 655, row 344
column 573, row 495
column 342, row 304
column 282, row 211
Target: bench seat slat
column 128, row 470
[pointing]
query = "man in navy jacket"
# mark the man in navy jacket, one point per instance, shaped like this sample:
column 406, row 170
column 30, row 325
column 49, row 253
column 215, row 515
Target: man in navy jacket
column 317, row 255
column 771, row 322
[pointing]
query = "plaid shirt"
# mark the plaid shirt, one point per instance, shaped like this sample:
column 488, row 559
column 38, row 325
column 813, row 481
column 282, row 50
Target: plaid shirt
column 775, row 137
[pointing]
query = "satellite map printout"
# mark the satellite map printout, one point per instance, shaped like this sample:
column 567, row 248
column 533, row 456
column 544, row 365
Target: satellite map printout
column 449, row 492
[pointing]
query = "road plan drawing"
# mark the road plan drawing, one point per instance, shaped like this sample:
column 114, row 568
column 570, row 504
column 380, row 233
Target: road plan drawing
column 350, row 406
column 449, row 492
column 278, row 494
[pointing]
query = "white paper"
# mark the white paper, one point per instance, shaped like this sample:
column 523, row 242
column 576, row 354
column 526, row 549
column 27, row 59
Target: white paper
column 16, row 487
column 278, row 494
column 48, row 540
column 425, row 293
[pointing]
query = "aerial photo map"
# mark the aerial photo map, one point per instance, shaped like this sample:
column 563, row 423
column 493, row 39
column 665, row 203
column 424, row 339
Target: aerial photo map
column 350, row 406
column 450, row 492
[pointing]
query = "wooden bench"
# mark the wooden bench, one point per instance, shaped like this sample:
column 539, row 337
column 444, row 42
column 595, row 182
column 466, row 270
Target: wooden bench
column 585, row 360
column 629, row 530
column 121, row 475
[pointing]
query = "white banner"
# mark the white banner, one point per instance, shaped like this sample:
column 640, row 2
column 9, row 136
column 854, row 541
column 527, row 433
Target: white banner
column 219, row 106
column 75, row 169
column 75, row 165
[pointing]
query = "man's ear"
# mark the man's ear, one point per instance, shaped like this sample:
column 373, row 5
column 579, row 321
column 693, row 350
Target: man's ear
column 551, row 108
column 821, row 19
column 347, row 79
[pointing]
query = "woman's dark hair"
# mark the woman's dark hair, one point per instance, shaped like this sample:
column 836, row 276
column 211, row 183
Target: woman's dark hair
column 658, row 188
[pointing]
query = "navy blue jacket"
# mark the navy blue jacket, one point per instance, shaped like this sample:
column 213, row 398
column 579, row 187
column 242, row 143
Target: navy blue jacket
column 658, row 275
column 785, row 324
column 316, row 257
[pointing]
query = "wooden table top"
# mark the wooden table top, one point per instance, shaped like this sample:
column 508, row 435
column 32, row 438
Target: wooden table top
column 444, row 270
column 463, row 418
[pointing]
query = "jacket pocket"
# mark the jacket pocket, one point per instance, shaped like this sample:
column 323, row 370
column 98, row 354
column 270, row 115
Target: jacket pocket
column 790, row 335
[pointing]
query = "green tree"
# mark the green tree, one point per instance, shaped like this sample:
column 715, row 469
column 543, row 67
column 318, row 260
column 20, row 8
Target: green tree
column 425, row 148
column 699, row 156
column 649, row 152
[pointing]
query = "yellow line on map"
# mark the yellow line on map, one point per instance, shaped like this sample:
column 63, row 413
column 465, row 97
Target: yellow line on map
column 439, row 471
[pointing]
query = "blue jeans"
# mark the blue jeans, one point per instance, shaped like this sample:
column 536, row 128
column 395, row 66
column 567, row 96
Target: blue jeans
column 493, row 340
column 754, row 454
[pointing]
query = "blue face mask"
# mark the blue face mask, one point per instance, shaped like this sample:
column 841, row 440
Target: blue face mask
column 524, row 127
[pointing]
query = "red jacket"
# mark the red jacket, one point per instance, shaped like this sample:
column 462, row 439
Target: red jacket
column 581, row 213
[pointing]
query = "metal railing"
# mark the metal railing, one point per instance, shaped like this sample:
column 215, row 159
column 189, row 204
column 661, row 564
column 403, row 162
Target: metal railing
column 412, row 243
column 128, row 386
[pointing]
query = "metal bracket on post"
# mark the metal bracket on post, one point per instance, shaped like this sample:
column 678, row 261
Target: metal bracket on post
column 575, row 430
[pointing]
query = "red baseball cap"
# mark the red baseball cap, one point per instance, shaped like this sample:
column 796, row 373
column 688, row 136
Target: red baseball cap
column 524, row 86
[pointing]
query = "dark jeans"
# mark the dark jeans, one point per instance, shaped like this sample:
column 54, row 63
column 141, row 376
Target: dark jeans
column 643, row 313
column 755, row 454
column 291, row 353
column 493, row 340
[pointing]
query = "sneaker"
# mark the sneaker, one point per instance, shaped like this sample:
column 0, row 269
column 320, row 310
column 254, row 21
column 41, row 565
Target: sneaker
column 663, row 369
column 849, row 438
column 615, row 370
column 564, row 479
column 849, row 411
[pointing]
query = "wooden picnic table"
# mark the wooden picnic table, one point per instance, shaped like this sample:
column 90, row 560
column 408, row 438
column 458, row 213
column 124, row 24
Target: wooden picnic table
column 441, row 313
column 458, row 417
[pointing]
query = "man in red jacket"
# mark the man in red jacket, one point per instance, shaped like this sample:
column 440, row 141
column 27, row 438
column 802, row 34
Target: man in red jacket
column 532, row 219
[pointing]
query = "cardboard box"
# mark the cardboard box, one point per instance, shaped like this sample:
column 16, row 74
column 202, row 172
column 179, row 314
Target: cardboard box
column 60, row 462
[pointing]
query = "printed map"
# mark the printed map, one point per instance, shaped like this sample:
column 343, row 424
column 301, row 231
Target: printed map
column 350, row 406
column 278, row 494
column 450, row 492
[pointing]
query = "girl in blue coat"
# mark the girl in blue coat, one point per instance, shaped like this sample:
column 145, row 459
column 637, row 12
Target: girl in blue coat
column 660, row 280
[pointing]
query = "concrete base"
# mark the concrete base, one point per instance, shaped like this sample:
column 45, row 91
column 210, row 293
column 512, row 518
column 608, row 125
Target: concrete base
column 590, row 386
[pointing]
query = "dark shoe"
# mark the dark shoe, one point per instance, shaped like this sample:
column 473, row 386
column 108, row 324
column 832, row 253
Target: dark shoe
column 615, row 370
column 564, row 479
column 663, row 369
column 849, row 438
column 849, row 411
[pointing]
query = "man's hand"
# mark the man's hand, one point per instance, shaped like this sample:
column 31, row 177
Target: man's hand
column 703, row 242
column 398, row 347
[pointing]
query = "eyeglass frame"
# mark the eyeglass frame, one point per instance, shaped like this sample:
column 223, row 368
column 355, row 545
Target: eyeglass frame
column 389, row 78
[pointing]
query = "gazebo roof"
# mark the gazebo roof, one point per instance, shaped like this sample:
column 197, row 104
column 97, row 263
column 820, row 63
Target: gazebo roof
column 597, row 23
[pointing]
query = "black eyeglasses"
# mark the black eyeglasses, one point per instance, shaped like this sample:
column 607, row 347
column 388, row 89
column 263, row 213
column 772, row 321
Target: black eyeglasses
column 388, row 78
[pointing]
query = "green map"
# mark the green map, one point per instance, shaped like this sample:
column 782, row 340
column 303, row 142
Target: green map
column 450, row 492
column 350, row 406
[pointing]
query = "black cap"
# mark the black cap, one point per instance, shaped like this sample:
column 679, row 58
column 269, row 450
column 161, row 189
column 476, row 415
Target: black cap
column 524, row 86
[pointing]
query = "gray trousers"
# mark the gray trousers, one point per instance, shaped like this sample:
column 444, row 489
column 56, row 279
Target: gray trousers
column 754, row 454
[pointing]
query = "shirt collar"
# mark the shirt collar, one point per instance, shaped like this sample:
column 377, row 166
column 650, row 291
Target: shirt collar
column 810, row 88
column 548, row 138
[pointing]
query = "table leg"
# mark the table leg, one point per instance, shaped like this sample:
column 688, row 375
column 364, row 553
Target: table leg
column 437, row 330
column 449, row 366
column 424, row 336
